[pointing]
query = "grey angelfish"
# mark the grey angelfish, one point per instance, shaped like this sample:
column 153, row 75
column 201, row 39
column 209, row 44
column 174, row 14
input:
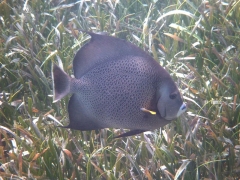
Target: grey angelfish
column 117, row 85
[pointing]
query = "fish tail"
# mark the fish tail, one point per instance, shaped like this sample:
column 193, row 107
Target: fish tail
column 61, row 83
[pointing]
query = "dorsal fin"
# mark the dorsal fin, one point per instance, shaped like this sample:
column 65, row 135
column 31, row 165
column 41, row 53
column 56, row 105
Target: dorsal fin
column 102, row 48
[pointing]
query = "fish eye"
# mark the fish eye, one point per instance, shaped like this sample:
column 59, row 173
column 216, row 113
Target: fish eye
column 173, row 96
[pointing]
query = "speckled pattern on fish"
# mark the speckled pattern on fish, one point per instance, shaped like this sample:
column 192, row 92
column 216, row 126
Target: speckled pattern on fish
column 115, row 80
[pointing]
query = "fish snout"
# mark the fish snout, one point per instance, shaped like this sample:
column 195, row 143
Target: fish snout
column 182, row 109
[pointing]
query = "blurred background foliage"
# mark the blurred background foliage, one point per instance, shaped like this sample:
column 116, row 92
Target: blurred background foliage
column 196, row 41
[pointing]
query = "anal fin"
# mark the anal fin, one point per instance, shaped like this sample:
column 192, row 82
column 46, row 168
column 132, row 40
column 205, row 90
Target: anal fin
column 131, row 133
column 79, row 118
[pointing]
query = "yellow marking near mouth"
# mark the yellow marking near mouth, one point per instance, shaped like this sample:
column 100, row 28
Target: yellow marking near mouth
column 146, row 110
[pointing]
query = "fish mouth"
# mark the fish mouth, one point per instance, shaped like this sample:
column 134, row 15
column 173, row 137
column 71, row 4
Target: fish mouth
column 182, row 109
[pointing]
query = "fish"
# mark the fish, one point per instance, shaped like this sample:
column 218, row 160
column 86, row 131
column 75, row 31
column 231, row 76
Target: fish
column 117, row 85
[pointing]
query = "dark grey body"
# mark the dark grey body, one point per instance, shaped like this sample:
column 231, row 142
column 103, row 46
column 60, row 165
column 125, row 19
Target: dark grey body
column 113, row 80
column 114, row 97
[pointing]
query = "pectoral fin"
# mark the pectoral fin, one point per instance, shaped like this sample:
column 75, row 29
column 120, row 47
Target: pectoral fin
column 148, row 111
column 131, row 133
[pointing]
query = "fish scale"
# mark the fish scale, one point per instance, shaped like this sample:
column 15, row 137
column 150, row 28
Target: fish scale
column 104, row 87
column 117, row 85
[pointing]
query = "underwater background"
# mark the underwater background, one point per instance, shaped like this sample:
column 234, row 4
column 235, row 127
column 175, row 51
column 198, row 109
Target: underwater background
column 196, row 41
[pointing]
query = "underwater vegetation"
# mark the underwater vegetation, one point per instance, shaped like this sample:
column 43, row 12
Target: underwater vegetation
column 197, row 42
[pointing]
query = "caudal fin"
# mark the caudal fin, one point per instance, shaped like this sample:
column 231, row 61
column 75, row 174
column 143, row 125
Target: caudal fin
column 61, row 83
